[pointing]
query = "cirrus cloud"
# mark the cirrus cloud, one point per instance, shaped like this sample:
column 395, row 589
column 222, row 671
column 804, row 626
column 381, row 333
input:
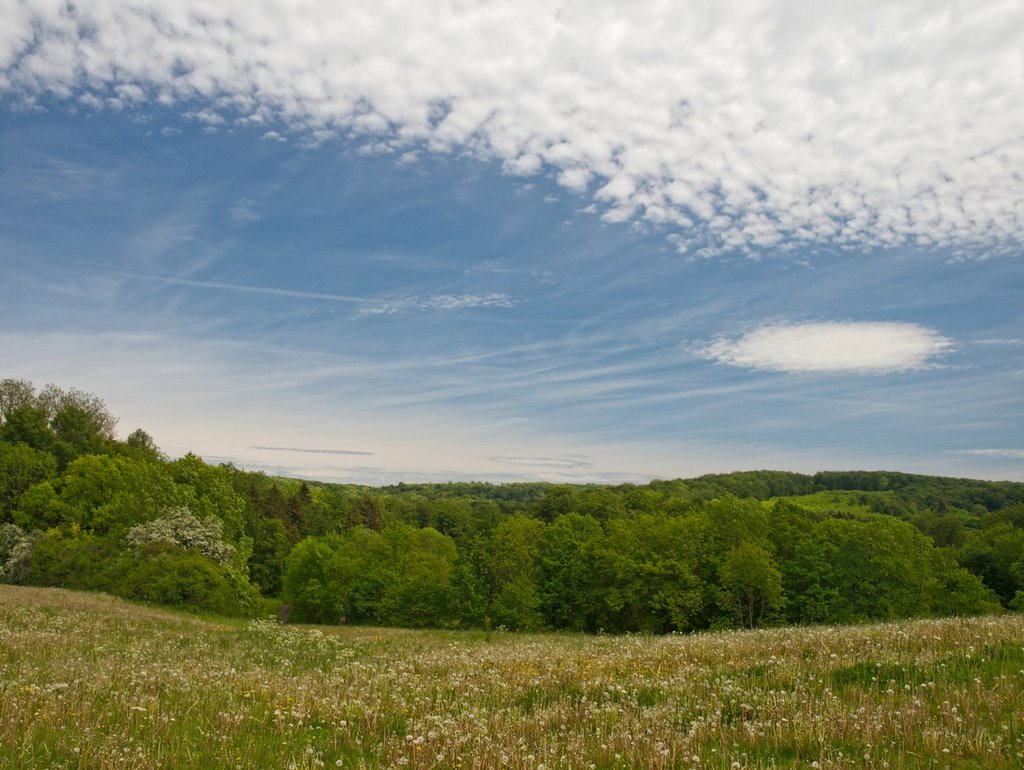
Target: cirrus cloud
column 869, row 348
column 739, row 126
column 1004, row 453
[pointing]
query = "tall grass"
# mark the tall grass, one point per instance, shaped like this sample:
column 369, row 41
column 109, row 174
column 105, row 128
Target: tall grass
column 87, row 681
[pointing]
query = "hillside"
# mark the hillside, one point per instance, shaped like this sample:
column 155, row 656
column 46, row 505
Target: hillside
column 81, row 509
column 143, row 688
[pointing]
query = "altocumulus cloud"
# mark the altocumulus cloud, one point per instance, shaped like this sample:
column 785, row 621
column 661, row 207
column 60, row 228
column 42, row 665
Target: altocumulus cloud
column 869, row 348
column 740, row 125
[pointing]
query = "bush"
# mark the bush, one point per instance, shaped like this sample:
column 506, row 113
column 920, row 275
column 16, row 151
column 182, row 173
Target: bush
column 178, row 526
column 72, row 560
column 163, row 573
column 16, row 547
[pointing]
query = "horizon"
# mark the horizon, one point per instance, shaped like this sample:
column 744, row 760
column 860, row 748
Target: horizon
column 465, row 241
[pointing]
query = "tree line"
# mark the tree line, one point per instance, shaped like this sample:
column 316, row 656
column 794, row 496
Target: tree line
column 81, row 509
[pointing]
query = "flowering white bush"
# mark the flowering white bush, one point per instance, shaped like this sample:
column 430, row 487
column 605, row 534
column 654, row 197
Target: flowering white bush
column 15, row 552
column 179, row 526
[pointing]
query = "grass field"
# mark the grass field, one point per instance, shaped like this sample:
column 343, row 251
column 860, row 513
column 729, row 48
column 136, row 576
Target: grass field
column 88, row 681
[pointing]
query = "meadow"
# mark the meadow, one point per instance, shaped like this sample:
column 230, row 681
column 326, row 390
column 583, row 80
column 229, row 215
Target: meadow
column 89, row 681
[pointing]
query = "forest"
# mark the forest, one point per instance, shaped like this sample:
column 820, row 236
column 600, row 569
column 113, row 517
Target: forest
column 81, row 509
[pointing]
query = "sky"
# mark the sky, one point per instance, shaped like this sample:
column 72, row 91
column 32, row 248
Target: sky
column 574, row 242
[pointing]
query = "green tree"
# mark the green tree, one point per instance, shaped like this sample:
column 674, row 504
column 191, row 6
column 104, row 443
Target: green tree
column 645, row 573
column 752, row 583
column 21, row 467
column 73, row 559
column 270, row 549
column 312, row 583
column 805, row 559
column 957, row 591
column 29, row 425
column 423, row 568
column 991, row 553
column 881, row 569
column 565, row 575
column 104, row 495
column 78, row 432
column 142, row 445
column 212, row 495
column 53, row 400
column 163, row 573
column 510, row 567
column 15, row 394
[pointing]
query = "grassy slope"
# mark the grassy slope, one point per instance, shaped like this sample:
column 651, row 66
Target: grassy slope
column 91, row 682
column 841, row 501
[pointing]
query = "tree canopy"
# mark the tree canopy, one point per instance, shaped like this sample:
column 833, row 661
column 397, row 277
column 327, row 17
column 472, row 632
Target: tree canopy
column 82, row 509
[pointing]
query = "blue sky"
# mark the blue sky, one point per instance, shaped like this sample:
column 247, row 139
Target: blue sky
column 484, row 241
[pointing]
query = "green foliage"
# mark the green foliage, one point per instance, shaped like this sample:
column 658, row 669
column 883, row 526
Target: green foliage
column 313, row 581
column 64, row 423
column 646, row 574
column 422, row 568
column 21, row 467
column 881, row 569
column 400, row 576
column 78, row 432
column 141, row 445
column 29, row 425
column 751, row 548
column 509, row 573
column 102, row 494
column 751, row 583
column 565, row 572
column 270, row 548
column 996, row 554
column 73, row 559
column 162, row 573
column 957, row 591
column 760, row 485
column 212, row 494
column 15, row 394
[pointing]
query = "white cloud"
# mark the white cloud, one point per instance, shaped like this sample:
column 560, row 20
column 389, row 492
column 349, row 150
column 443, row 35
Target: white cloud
column 283, row 411
column 575, row 461
column 743, row 125
column 459, row 301
column 310, row 450
column 243, row 212
column 438, row 302
column 1010, row 454
column 370, row 306
column 870, row 348
column 1001, row 341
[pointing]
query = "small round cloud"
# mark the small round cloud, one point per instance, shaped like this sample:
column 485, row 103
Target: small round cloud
column 870, row 348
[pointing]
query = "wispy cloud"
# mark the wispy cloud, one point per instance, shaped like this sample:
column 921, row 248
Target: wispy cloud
column 243, row 212
column 369, row 305
column 867, row 348
column 751, row 125
column 269, row 290
column 551, row 411
column 545, row 462
column 1006, row 454
column 1010, row 341
column 438, row 302
column 311, row 451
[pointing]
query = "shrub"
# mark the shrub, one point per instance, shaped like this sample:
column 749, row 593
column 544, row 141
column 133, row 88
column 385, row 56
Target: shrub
column 164, row 573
